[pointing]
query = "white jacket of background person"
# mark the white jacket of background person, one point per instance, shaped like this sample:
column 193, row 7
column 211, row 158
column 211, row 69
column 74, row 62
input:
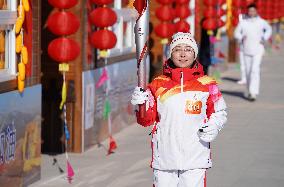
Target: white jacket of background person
column 252, row 32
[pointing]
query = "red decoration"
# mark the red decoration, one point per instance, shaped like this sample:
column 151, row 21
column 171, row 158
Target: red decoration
column 182, row 26
column 210, row 24
column 165, row 13
column 210, row 12
column 102, row 2
column 63, row 23
column 103, row 39
column 165, row 2
column 220, row 12
column 238, row 3
column 63, row 4
column 210, row 2
column 235, row 21
column 182, row 12
column 220, row 23
column 179, row 2
column 112, row 145
column 139, row 5
column 63, row 49
column 103, row 17
column 165, row 30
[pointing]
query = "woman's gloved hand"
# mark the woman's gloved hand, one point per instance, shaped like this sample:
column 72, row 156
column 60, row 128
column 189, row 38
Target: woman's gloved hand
column 139, row 96
column 208, row 132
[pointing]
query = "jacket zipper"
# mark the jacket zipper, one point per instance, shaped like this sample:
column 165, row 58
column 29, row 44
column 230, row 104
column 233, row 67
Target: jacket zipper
column 181, row 90
column 181, row 81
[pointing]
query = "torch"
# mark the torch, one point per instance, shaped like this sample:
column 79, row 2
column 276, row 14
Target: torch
column 141, row 31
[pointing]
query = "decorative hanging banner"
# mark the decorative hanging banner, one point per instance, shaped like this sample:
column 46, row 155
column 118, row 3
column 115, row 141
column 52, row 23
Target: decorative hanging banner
column 141, row 30
column 112, row 145
column 104, row 77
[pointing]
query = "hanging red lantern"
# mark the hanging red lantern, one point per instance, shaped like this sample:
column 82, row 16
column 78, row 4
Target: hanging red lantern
column 165, row 2
column 179, row 2
column 238, row 3
column 63, row 4
column 210, row 12
column 63, row 49
column 165, row 13
column 63, row 23
column 235, row 21
column 182, row 11
column 103, row 39
column 165, row 30
column 102, row 2
column 220, row 23
column 210, row 2
column 210, row 24
column 103, row 17
column 220, row 12
column 182, row 26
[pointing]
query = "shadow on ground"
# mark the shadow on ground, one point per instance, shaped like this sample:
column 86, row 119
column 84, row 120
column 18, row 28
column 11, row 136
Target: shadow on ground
column 234, row 94
column 230, row 79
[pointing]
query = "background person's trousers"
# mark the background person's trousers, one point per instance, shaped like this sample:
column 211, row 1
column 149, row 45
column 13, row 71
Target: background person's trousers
column 180, row 178
column 242, row 66
column 252, row 67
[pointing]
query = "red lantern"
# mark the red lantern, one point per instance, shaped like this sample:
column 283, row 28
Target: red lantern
column 165, row 2
column 220, row 23
column 165, row 30
column 103, row 17
column 179, row 2
column 63, row 49
column 238, row 3
column 236, row 12
column 210, row 24
column 221, row 12
column 210, row 12
column 63, row 23
column 103, row 39
column 102, row 2
column 165, row 13
column 235, row 21
column 182, row 26
column 63, row 4
column 210, row 2
column 182, row 11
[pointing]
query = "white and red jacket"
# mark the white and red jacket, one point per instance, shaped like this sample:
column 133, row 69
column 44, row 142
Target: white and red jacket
column 181, row 101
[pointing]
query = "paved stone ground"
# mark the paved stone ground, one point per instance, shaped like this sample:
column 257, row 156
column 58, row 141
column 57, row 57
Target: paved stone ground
column 248, row 152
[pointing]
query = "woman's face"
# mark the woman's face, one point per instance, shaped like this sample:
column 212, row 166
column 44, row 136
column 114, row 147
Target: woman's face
column 182, row 55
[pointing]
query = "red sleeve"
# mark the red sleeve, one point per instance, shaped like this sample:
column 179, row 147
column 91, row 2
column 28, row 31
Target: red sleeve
column 151, row 114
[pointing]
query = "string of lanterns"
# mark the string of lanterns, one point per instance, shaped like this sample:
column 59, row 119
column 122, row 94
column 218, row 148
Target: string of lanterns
column 63, row 50
column 166, row 14
column 182, row 13
column 103, row 17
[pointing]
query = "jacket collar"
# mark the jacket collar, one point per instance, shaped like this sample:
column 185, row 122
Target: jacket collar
column 188, row 73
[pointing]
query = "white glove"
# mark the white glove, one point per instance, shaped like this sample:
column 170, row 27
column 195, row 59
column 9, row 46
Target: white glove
column 208, row 132
column 139, row 96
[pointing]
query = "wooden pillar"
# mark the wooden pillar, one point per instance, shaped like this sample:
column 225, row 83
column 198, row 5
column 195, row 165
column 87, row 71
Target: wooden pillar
column 75, row 75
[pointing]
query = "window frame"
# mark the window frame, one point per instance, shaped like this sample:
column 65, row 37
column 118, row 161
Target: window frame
column 7, row 21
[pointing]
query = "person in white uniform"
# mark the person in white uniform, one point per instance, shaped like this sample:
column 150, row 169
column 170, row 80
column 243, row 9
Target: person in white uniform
column 252, row 32
column 187, row 111
column 243, row 79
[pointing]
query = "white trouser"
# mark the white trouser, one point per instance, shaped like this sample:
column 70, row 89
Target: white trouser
column 180, row 178
column 242, row 66
column 252, row 67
